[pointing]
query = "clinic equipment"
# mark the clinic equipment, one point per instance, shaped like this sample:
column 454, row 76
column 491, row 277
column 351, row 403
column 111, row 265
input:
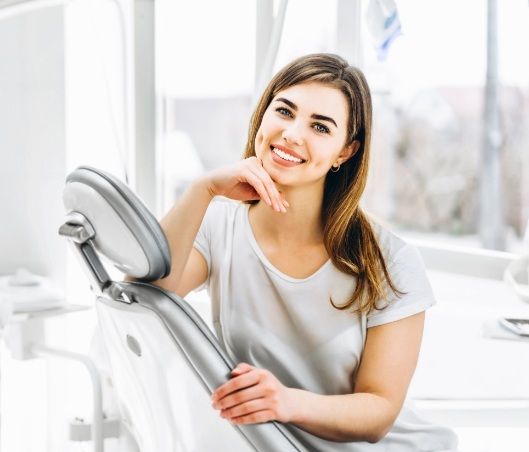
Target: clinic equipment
column 164, row 359
column 28, row 292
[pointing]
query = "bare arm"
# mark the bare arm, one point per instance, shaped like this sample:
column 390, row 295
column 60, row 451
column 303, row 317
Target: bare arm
column 180, row 226
column 385, row 372
column 244, row 180
column 388, row 363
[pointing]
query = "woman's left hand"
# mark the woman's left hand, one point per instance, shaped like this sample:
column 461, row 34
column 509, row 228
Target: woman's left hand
column 252, row 396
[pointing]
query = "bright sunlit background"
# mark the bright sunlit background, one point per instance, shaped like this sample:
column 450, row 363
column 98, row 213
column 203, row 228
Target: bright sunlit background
column 428, row 97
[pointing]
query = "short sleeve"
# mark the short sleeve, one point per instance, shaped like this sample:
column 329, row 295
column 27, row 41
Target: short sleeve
column 202, row 242
column 408, row 274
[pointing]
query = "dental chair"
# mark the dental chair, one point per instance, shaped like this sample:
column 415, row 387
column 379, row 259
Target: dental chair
column 165, row 361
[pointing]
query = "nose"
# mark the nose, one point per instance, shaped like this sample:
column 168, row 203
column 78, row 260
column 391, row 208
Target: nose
column 293, row 134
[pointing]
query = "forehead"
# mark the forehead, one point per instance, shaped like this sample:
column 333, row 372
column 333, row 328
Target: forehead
column 317, row 98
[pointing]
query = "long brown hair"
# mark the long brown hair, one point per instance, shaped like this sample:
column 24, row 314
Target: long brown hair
column 348, row 235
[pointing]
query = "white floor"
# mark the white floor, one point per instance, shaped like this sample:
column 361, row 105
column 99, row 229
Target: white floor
column 493, row 439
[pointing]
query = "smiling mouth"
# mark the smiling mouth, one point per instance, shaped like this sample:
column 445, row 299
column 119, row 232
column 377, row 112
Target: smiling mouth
column 286, row 156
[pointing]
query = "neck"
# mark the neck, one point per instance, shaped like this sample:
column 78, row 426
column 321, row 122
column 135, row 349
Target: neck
column 300, row 224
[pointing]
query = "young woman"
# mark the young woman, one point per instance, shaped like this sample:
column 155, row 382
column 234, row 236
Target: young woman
column 322, row 308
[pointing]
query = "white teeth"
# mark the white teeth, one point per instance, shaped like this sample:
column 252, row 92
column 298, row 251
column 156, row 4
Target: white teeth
column 286, row 156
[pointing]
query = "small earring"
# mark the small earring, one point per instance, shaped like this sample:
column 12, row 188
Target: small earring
column 335, row 169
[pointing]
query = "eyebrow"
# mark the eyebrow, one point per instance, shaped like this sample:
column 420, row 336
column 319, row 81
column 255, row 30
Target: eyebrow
column 314, row 115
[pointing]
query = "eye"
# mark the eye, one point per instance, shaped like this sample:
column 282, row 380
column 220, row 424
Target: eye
column 284, row 112
column 320, row 128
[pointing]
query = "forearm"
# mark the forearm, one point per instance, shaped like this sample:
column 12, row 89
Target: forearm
column 181, row 225
column 349, row 417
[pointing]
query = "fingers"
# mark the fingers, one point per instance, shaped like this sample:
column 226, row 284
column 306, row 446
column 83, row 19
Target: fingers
column 239, row 382
column 258, row 186
column 245, row 409
column 278, row 203
column 271, row 191
column 257, row 417
column 241, row 368
column 248, row 180
column 237, row 398
column 246, row 405
column 252, row 396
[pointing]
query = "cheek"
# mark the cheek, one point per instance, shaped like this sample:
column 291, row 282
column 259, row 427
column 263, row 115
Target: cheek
column 326, row 154
column 258, row 138
column 258, row 143
column 268, row 128
column 263, row 135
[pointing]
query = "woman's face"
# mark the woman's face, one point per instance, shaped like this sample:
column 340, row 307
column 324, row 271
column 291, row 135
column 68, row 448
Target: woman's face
column 303, row 134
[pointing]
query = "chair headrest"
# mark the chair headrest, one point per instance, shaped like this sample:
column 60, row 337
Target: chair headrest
column 126, row 233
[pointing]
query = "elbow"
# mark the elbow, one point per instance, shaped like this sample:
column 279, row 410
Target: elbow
column 384, row 422
column 380, row 429
column 372, row 436
column 378, row 435
column 375, row 437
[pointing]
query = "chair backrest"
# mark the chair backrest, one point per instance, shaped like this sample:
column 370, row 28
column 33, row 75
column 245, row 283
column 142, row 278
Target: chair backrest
column 164, row 359
column 120, row 227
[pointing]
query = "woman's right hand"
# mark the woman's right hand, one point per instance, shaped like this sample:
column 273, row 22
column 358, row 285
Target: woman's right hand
column 244, row 181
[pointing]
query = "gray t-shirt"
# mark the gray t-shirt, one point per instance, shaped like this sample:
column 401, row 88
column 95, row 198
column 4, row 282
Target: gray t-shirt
column 288, row 325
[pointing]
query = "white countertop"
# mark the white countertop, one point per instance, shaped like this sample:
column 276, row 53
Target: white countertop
column 461, row 355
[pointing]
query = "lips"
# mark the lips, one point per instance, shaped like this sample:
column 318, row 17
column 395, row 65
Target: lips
column 287, row 151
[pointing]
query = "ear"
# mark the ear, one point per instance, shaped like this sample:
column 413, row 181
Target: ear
column 348, row 152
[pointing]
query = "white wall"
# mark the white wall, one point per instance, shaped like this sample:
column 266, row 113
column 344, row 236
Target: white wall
column 32, row 169
column 32, row 142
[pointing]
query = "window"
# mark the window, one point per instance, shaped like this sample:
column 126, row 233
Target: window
column 205, row 75
column 428, row 128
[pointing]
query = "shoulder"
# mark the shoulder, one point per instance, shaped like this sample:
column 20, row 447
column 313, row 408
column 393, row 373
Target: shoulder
column 221, row 207
column 408, row 273
column 403, row 260
column 221, row 214
column 221, row 204
column 394, row 248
